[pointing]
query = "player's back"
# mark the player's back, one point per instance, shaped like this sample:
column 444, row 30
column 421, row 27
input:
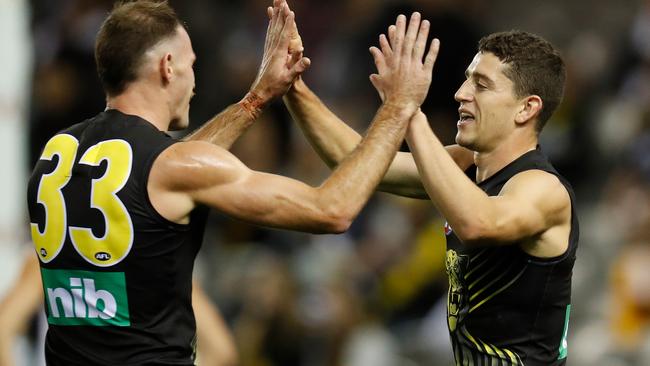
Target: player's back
column 116, row 274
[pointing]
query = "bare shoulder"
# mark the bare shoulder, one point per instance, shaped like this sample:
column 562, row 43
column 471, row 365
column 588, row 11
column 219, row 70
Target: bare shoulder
column 183, row 171
column 190, row 165
column 543, row 189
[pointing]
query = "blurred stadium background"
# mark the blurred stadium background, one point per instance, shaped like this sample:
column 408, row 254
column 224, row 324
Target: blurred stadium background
column 375, row 295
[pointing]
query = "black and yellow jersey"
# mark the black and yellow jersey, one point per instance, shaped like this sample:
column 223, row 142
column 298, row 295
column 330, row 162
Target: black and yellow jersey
column 117, row 276
column 504, row 306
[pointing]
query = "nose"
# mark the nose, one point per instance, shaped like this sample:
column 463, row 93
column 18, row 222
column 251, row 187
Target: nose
column 463, row 94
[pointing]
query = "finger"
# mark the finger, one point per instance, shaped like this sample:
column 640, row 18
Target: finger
column 266, row 39
column 421, row 41
column 432, row 55
column 380, row 60
column 294, row 29
column 391, row 35
column 375, row 80
column 285, row 8
column 272, row 31
column 411, row 33
column 400, row 29
column 279, row 26
column 285, row 36
column 300, row 67
column 294, row 57
column 295, row 44
column 385, row 46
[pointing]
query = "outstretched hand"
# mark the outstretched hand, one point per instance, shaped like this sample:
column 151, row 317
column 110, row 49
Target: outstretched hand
column 402, row 76
column 282, row 62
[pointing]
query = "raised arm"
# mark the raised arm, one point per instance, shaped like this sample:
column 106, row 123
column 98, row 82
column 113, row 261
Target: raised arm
column 193, row 173
column 531, row 204
column 333, row 140
column 281, row 63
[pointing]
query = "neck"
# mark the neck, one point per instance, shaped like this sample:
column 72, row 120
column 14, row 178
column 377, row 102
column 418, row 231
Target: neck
column 490, row 162
column 138, row 101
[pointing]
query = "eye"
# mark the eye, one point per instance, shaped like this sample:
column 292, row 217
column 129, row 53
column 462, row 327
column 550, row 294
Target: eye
column 481, row 86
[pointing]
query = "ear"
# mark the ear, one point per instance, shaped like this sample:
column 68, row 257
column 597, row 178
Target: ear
column 166, row 69
column 530, row 108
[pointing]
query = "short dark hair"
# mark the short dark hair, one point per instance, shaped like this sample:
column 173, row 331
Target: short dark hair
column 535, row 67
column 128, row 32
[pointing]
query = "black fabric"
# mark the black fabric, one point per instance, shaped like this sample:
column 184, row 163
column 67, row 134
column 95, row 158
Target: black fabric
column 157, row 269
column 506, row 307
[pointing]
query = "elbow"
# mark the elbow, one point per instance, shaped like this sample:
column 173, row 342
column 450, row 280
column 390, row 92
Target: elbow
column 471, row 238
column 342, row 225
column 334, row 220
column 336, row 224
column 473, row 233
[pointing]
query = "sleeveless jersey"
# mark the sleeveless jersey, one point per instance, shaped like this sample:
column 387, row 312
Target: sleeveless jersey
column 504, row 306
column 117, row 276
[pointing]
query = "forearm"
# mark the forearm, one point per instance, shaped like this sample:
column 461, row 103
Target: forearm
column 216, row 345
column 457, row 198
column 18, row 306
column 352, row 183
column 332, row 139
column 226, row 127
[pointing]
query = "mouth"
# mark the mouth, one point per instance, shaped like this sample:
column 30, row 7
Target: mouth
column 465, row 117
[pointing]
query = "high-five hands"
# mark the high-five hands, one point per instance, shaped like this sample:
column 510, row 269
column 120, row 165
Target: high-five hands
column 402, row 76
column 282, row 62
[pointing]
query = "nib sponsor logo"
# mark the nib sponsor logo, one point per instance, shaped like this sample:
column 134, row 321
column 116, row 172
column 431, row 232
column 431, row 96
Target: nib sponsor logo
column 85, row 298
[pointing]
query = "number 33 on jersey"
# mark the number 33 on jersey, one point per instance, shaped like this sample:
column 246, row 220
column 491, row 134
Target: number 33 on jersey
column 50, row 235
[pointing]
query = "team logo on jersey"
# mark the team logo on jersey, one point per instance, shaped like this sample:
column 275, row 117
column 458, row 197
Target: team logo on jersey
column 85, row 298
column 448, row 229
column 456, row 299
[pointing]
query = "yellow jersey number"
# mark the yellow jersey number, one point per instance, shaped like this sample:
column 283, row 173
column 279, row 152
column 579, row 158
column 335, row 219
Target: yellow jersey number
column 118, row 237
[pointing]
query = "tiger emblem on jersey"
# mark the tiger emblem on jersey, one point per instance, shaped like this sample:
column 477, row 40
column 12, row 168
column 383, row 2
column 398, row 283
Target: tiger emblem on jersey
column 456, row 300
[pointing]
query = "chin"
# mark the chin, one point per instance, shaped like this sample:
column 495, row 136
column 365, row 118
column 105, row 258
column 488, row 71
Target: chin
column 465, row 142
column 178, row 124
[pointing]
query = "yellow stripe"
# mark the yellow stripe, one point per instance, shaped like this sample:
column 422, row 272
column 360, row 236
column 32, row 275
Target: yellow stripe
column 478, row 255
column 499, row 353
column 497, row 292
column 469, row 336
column 513, row 358
column 488, row 349
column 496, row 266
column 477, row 267
column 492, row 350
column 491, row 282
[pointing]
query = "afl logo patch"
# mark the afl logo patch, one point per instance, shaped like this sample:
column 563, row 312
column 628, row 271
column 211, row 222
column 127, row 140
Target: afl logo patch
column 102, row 256
column 448, row 229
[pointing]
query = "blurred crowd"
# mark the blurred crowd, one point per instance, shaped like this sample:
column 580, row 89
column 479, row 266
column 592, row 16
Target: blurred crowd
column 375, row 296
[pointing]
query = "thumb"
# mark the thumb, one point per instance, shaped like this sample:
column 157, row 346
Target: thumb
column 376, row 82
column 299, row 67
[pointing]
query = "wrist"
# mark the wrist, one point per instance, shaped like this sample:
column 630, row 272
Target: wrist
column 253, row 104
column 298, row 87
column 403, row 109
